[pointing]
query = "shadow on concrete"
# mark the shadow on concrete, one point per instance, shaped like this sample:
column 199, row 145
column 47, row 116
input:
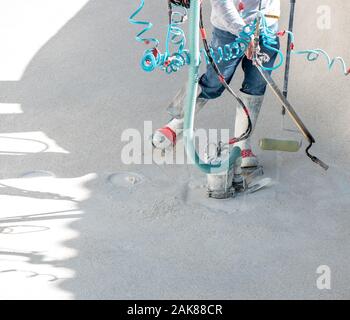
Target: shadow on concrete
column 82, row 90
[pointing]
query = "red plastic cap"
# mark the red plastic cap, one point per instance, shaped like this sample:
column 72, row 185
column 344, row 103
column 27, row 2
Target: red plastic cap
column 233, row 141
column 169, row 133
column 222, row 79
column 155, row 52
column 203, row 33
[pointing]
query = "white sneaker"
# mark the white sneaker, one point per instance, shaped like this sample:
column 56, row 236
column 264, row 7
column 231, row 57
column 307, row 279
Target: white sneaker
column 166, row 137
column 249, row 159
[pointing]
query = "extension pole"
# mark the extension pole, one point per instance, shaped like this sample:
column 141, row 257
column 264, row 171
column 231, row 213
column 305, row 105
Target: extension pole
column 289, row 50
column 283, row 100
column 190, row 102
column 284, row 145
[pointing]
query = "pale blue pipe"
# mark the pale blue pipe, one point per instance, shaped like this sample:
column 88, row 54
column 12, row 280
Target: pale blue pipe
column 190, row 101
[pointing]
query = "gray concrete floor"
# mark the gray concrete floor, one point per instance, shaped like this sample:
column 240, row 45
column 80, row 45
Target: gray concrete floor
column 67, row 232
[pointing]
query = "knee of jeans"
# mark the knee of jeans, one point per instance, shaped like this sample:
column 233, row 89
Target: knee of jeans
column 254, row 90
column 209, row 93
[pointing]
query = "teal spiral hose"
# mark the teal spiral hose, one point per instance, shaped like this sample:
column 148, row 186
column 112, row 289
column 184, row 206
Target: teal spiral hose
column 232, row 50
column 314, row 54
column 238, row 48
column 153, row 58
column 171, row 62
column 148, row 26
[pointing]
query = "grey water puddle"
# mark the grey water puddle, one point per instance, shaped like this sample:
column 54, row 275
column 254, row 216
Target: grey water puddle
column 37, row 174
column 126, row 179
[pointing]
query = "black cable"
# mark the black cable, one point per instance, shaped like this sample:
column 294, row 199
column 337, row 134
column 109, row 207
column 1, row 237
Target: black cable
column 249, row 130
column 182, row 3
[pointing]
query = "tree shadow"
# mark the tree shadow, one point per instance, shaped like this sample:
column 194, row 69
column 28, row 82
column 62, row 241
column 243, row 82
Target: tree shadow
column 76, row 90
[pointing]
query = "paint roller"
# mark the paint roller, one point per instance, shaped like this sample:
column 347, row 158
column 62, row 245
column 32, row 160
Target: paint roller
column 277, row 144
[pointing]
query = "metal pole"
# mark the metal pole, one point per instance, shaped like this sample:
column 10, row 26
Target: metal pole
column 190, row 102
column 289, row 49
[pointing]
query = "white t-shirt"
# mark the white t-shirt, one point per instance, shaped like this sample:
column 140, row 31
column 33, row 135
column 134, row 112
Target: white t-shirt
column 225, row 14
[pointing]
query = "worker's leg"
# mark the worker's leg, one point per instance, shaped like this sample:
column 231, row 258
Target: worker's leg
column 209, row 88
column 252, row 93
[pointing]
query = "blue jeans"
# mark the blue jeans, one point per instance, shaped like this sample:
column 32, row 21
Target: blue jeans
column 253, row 83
